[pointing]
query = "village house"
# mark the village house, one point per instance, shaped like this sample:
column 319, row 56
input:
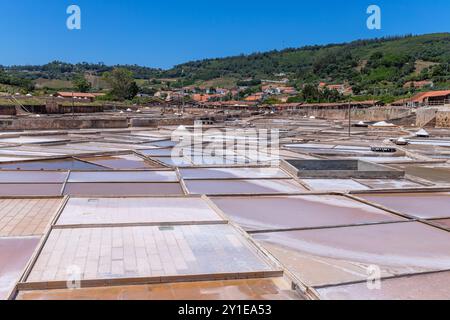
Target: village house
column 341, row 88
column 277, row 90
column 178, row 95
column 289, row 91
column 163, row 94
column 200, row 97
column 321, row 85
column 418, row 84
column 255, row 97
column 348, row 91
column 76, row 95
column 338, row 87
column 431, row 98
column 271, row 89
column 222, row 91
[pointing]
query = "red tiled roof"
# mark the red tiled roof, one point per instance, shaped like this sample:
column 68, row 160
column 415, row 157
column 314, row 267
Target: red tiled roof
column 430, row 94
column 200, row 97
column 335, row 86
column 254, row 97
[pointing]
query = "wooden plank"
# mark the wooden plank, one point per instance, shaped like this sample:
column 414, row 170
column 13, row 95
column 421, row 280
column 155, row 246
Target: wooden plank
column 33, row 286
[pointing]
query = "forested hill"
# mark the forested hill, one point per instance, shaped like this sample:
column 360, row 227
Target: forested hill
column 377, row 66
column 64, row 71
column 362, row 62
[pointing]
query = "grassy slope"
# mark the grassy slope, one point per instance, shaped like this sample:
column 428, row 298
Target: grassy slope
column 431, row 48
column 331, row 63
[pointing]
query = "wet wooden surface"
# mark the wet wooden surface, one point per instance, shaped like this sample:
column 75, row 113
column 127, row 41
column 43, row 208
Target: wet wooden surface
column 26, row 217
column 128, row 252
column 14, row 256
column 249, row 289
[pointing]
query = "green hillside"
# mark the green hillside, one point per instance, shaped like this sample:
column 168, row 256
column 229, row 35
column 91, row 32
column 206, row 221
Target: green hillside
column 385, row 62
column 377, row 67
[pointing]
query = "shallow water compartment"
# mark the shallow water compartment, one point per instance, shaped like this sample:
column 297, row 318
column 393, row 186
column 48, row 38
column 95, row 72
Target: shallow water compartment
column 124, row 176
column 243, row 186
column 420, row 205
column 297, row 212
column 433, row 286
column 122, row 189
column 14, row 256
column 339, row 255
column 89, row 211
column 27, row 189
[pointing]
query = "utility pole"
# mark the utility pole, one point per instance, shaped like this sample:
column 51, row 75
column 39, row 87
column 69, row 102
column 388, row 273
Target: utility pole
column 349, row 119
column 182, row 92
column 73, row 105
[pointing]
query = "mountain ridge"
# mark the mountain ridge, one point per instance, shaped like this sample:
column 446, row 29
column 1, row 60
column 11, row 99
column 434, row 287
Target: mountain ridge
column 372, row 66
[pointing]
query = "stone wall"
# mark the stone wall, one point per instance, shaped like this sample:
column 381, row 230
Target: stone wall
column 54, row 108
column 7, row 110
column 146, row 122
column 443, row 119
column 61, row 123
column 425, row 115
column 438, row 117
column 67, row 122
column 366, row 114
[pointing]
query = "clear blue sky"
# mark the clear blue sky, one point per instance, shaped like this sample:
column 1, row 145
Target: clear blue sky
column 164, row 33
